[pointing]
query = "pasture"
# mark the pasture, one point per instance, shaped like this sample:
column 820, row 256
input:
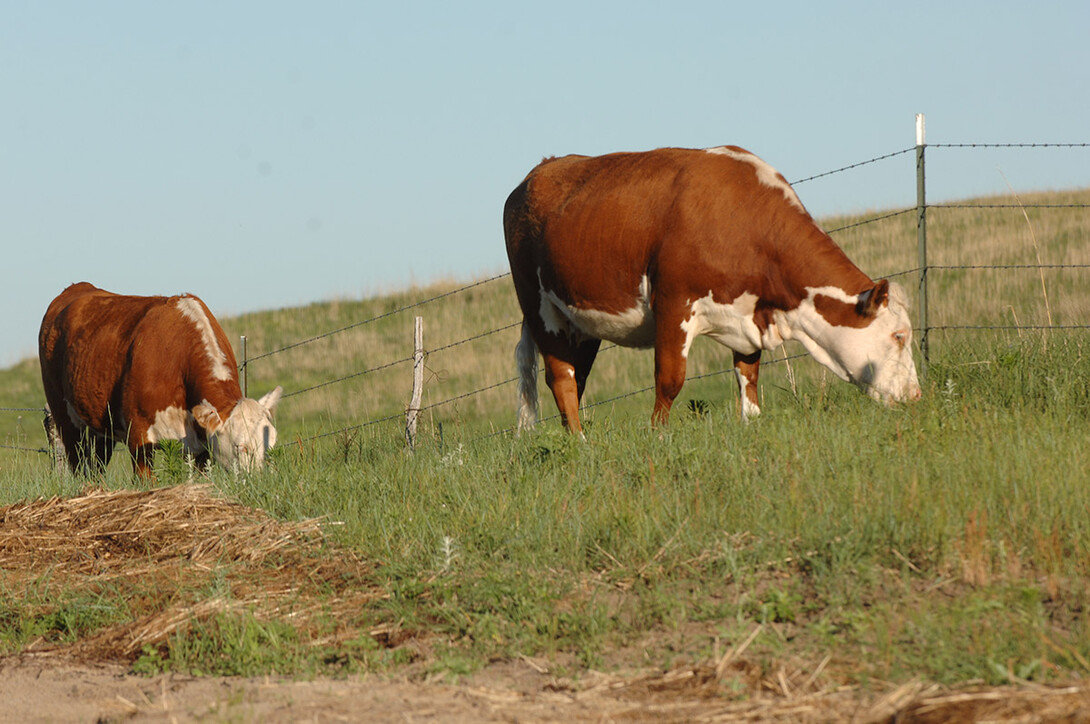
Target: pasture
column 831, row 543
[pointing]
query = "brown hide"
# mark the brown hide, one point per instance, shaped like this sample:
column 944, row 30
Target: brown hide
column 115, row 361
column 692, row 220
column 588, row 229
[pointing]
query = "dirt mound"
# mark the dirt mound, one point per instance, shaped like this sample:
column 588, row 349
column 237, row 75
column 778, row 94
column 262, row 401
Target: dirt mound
column 99, row 533
column 165, row 545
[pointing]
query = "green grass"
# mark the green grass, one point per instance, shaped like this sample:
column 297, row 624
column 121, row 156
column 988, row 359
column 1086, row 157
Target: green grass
column 56, row 614
column 946, row 539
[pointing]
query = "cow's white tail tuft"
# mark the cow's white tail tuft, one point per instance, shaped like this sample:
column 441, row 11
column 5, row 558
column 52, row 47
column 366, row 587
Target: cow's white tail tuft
column 526, row 360
column 56, row 445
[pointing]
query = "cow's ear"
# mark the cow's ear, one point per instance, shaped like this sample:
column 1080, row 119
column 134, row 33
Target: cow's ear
column 207, row 417
column 872, row 300
column 270, row 399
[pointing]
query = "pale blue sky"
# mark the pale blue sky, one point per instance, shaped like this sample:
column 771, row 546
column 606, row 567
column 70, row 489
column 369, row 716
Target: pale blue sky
column 269, row 154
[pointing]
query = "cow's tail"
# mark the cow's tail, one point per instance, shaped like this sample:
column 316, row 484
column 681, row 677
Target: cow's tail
column 56, row 445
column 526, row 359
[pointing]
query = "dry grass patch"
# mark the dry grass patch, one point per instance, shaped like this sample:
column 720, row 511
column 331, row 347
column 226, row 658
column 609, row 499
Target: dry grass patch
column 706, row 693
column 179, row 556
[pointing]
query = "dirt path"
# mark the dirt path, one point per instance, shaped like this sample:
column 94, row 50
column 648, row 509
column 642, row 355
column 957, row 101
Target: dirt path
column 37, row 690
column 45, row 689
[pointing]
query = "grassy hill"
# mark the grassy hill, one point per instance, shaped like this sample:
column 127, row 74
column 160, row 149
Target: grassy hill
column 340, row 370
column 847, row 544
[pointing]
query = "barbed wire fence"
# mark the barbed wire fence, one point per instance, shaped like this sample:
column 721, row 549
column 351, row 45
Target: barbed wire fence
column 9, row 444
column 921, row 271
column 918, row 271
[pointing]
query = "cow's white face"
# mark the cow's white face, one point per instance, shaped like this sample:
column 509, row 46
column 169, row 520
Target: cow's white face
column 888, row 372
column 875, row 352
column 241, row 441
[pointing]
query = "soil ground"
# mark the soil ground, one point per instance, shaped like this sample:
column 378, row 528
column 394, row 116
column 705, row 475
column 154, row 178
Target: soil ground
column 44, row 689
column 173, row 535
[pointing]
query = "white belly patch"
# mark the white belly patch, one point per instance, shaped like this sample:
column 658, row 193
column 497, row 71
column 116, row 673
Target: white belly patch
column 634, row 327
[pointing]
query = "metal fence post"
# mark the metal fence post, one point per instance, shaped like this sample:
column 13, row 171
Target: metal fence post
column 418, row 383
column 921, row 239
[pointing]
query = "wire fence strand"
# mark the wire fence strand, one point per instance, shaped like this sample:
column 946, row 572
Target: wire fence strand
column 931, row 267
column 25, row 449
column 1008, row 145
column 349, row 377
column 349, row 428
column 384, row 315
column 1007, row 327
column 1008, row 206
column 476, row 337
column 872, row 220
column 854, row 165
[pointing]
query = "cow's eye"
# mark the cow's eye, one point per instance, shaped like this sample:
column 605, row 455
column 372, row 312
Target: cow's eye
column 899, row 338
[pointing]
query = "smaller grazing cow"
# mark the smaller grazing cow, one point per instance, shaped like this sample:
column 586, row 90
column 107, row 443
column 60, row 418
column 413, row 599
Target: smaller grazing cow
column 144, row 369
column 654, row 249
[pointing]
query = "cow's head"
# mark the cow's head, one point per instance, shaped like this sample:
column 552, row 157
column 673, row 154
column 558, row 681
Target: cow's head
column 865, row 339
column 241, row 441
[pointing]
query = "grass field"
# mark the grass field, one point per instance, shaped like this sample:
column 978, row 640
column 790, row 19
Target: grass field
column 946, row 540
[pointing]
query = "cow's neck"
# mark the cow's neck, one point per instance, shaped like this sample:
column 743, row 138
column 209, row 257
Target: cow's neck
column 221, row 394
column 820, row 263
column 813, row 265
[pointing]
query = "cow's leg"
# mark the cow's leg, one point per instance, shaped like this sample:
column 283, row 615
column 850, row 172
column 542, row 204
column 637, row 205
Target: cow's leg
column 746, row 367
column 103, row 449
column 560, row 377
column 199, row 461
column 80, row 446
column 669, row 363
column 63, row 439
column 560, row 374
column 79, row 453
column 584, row 360
column 143, row 457
column 91, row 453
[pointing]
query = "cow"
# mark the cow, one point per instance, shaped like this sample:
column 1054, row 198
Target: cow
column 652, row 249
column 139, row 370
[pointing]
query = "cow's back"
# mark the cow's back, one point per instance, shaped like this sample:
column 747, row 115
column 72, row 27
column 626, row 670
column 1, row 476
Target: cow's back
column 85, row 347
column 589, row 225
column 690, row 220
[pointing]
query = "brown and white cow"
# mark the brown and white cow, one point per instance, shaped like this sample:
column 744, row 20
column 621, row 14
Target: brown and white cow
column 143, row 369
column 653, row 249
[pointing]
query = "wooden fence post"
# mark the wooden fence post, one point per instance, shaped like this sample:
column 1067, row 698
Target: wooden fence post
column 418, row 383
column 245, row 374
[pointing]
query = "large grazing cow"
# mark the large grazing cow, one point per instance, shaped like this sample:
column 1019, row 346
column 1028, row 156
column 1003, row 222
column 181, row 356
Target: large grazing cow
column 653, row 249
column 143, row 369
